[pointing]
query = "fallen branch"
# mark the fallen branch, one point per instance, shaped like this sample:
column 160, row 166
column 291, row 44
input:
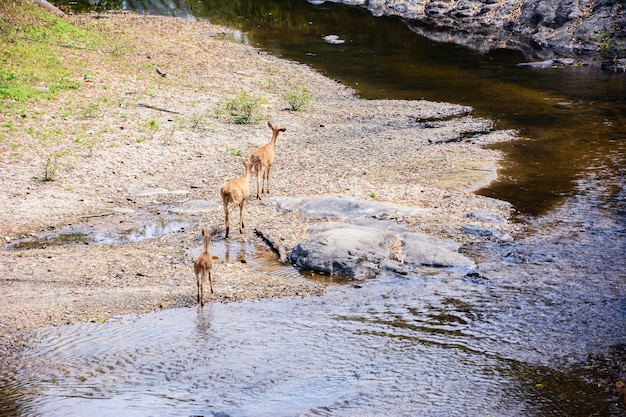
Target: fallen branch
column 157, row 108
column 275, row 244
column 98, row 215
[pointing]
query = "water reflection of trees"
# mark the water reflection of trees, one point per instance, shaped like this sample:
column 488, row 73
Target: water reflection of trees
column 286, row 14
column 179, row 8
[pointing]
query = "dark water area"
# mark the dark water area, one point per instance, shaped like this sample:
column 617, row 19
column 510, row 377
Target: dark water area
column 539, row 330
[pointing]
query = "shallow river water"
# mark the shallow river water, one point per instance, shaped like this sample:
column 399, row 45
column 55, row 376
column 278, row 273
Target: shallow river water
column 538, row 331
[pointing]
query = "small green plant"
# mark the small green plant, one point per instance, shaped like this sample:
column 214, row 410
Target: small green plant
column 609, row 48
column 242, row 109
column 232, row 151
column 373, row 194
column 195, row 121
column 298, row 98
column 51, row 169
column 148, row 127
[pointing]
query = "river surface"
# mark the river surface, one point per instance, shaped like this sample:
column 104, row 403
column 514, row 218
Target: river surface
column 538, row 332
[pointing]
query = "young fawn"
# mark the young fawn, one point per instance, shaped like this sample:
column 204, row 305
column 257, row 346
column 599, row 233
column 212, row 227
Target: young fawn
column 262, row 159
column 202, row 266
column 234, row 193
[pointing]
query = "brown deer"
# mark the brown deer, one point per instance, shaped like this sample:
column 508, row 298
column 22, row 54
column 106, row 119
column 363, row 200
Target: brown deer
column 262, row 159
column 202, row 266
column 234, row 193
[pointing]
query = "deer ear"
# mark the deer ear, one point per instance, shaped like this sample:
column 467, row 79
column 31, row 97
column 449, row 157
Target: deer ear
column 202, row 232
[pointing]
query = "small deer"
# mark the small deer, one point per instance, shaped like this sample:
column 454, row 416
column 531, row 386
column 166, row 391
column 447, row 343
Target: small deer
column 202, row 266
column 234, row 193
column 262, row 159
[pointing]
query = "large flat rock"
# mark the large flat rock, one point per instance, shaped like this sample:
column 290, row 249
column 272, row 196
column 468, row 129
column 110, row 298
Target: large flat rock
column 359, row 250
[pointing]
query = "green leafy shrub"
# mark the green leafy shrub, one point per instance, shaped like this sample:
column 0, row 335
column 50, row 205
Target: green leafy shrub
column 242, row 109
column 609, row 48
column 232, row 151
column 298, row 98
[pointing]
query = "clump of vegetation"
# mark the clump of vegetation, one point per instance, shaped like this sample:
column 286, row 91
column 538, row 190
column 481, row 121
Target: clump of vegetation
column 232, row 151
column 242, row 109
column 609, row 48
column 30, row 39
column 298, row 98
column 50, row 169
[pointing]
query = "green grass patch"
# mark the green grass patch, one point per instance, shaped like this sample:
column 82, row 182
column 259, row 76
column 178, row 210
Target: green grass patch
column 33, row 63
column 298, row 98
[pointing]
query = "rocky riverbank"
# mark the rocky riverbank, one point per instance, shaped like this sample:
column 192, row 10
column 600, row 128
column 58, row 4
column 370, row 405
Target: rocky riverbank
column 141, row 139
column 581, row 29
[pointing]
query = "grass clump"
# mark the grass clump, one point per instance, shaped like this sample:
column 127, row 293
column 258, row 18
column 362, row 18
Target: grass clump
column 232, row 151
column 242, row 109
column 298, row 98
column 50, row 169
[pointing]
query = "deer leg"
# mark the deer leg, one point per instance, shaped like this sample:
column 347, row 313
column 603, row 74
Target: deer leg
column 226, row 219
column 201, row 287
column 198, row 284
column 210, row 282
column 269, row 168
column 241, row 216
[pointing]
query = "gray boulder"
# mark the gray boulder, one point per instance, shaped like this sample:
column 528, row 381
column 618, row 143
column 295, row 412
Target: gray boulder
column 343, row 249
column 539, row 28
column 364, row 250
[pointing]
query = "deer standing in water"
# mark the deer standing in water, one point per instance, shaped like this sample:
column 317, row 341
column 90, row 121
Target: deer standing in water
column 262, row 159
column 202, row 266
column 234, row 193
